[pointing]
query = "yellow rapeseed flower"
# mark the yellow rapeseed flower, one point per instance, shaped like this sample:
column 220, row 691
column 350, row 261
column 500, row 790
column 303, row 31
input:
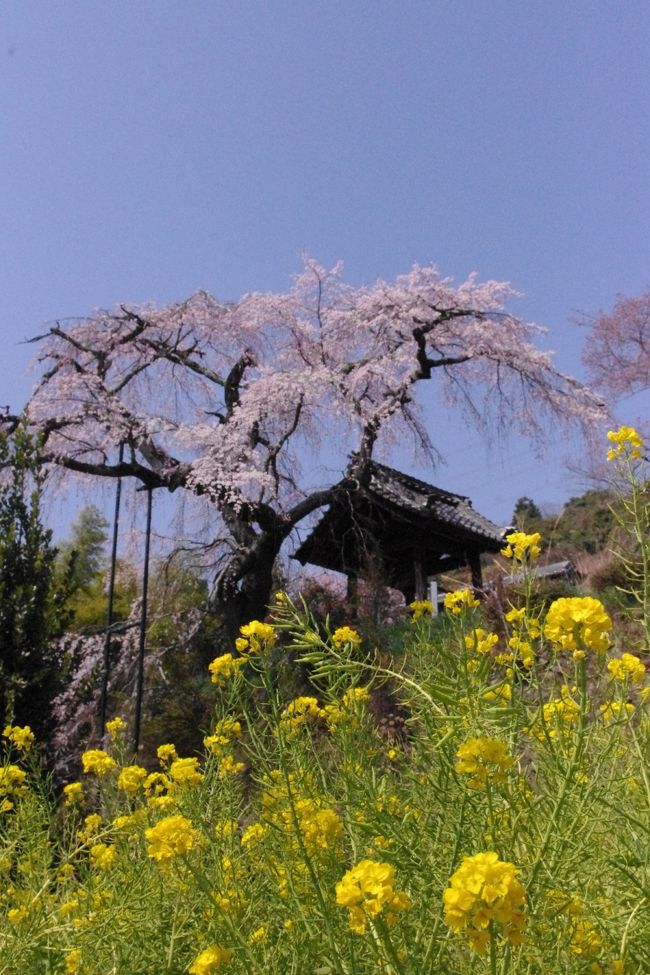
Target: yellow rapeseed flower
column 157, row 783
column 585, row 939
column 578, row 623
column 13, row 781
column 628, row 443
column 131, row 779
column 224, row 732
column 16, row 915
column 525, row 627
column 347, row 710
column 97, row 762
column 228, row 766
column 225, row 829
column 355, row 696
column 166, row 753
column 627, row 667
column 420, row 607
column 129, row 824
column 22, row 738
column 480, row 641
column 366, row 891
column 209, row 960
column 461, row 599
column 485, row 892
column 320, row 826
column 253, row 834
column 92, row 826
column 72, row 961
column 345, row 635
column 171, row 837
column 522, row 547
column 185, row 772
column 501, row 693
column 485, row 759
column 73, row 792
column 616, row 711
column 224, row 667
column 299, row 712
column 115, row 727
column 102, row 856
column 523, row 648
column 258, row 635
column 558, row 716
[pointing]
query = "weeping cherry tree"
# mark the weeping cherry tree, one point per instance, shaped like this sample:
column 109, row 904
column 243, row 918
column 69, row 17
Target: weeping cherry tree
column 226, row 400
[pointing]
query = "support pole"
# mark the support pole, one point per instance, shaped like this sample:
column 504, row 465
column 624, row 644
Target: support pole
column 106, row 661
column 143, row 631
column 419, row 580
column 474, row 560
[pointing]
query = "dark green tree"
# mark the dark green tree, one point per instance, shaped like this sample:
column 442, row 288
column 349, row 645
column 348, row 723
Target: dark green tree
column 83, row 556
column 31, row 613
column 525, row 510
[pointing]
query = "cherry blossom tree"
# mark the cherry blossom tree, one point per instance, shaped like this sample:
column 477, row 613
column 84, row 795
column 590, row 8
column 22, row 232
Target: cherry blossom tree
column 227, row 400
column 617, row 353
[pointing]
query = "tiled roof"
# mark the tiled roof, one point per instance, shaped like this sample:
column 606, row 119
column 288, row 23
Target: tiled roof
column 411, row 494
column 401, row 512
column 552, row 570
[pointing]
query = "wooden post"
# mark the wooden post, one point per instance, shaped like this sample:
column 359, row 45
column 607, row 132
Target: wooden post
column 419, row 581
column 474, row 560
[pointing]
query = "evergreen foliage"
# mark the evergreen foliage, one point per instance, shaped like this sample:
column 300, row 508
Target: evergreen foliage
column 525, row 510
column 84, row 551
column 31, row 603
column 585, row 523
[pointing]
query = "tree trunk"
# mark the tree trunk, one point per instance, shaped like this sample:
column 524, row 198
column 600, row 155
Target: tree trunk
column 243, row 590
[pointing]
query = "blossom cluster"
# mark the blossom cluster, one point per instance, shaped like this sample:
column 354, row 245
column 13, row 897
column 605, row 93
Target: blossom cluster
column 522, row 547
column 485, row 892
column 367, row 890
column 627, row 442
column 627, row 667
column 419, row 608
column 526, row 629
column 171, row 837
column 96, row 761
column 345, row 636
column 486, row 760
column 13, row 782
column 21, row 738
column 480, row 641
column 578, row 623
column 209, row 960
column 461, row 599
column 254, row 637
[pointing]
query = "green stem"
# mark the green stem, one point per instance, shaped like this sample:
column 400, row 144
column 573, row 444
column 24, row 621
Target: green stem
column 384, row 935
column 234, row 933
column 551, row 829
column 493, row 951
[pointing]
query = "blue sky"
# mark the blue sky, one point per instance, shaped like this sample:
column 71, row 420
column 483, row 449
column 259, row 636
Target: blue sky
column 153, row 148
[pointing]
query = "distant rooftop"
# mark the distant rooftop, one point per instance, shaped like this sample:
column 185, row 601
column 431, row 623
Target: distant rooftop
column 552, row 570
